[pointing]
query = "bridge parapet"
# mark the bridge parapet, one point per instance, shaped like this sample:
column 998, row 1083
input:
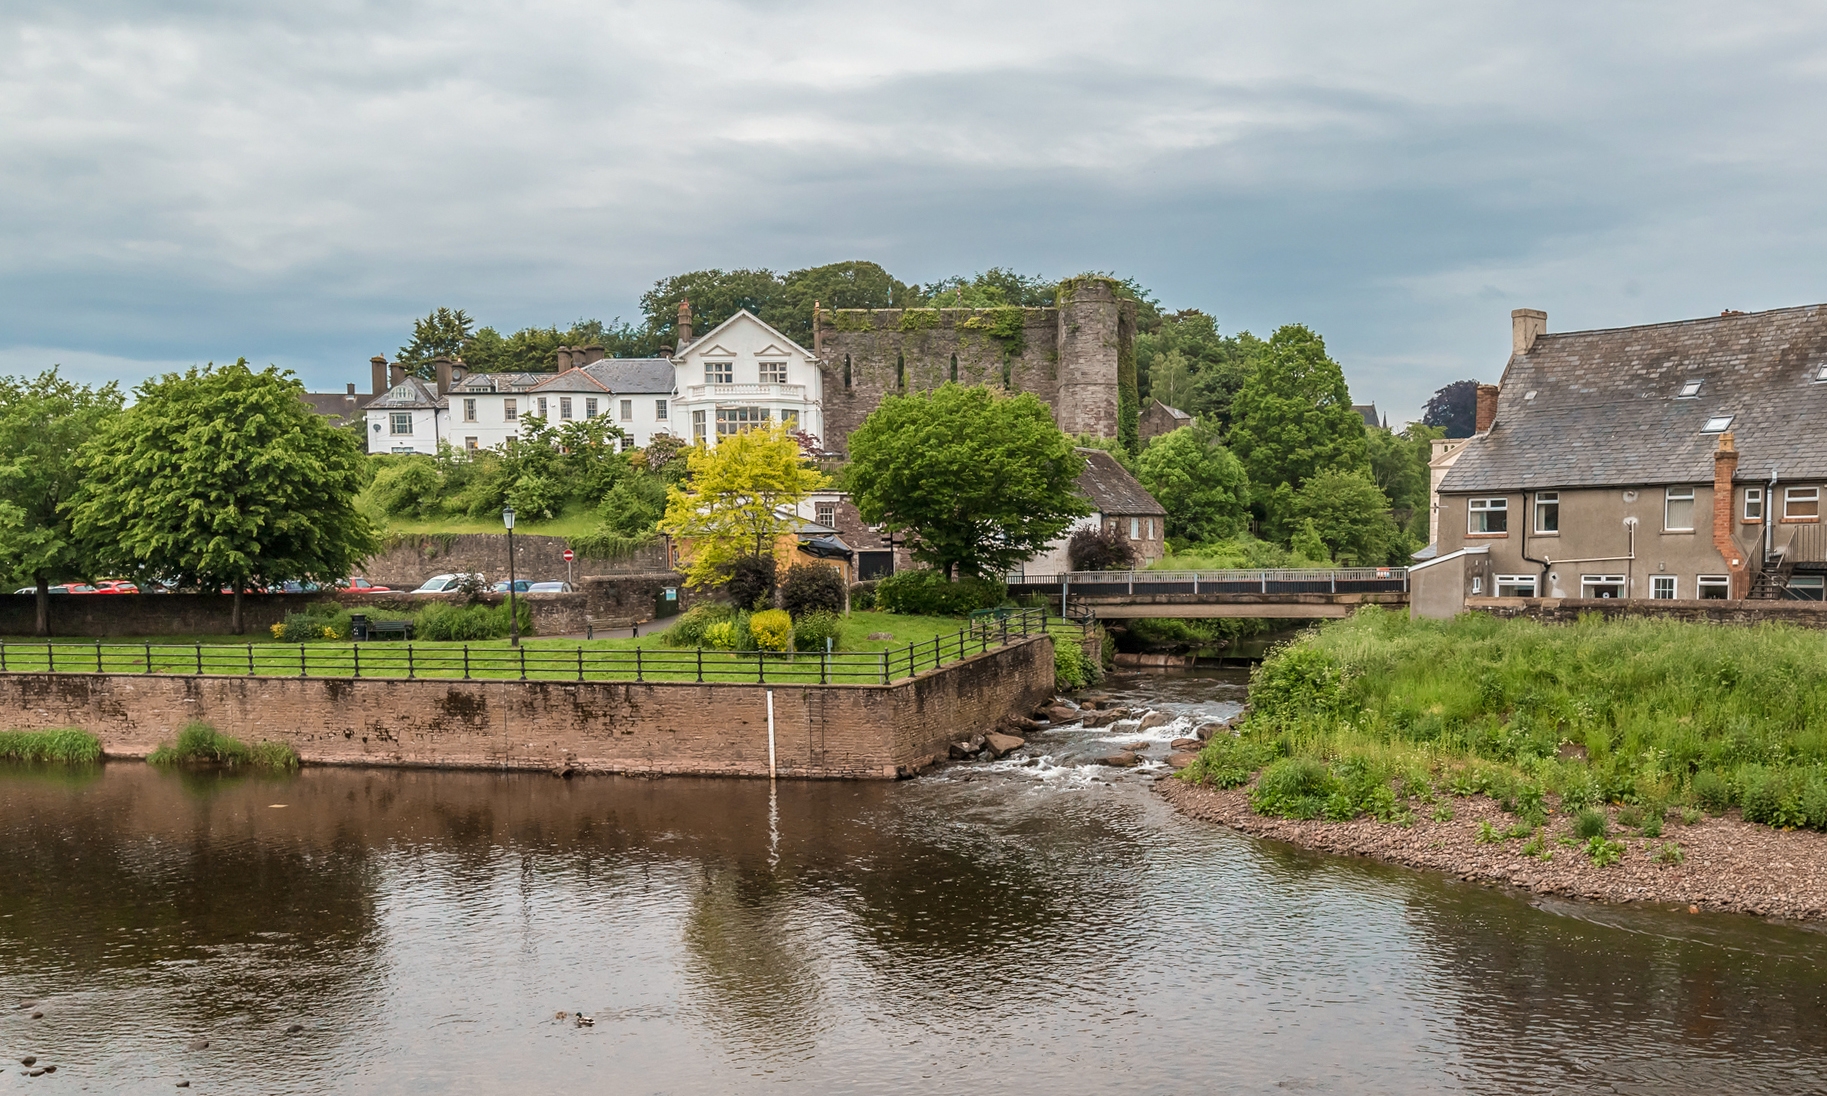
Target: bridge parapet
column 1271, row 592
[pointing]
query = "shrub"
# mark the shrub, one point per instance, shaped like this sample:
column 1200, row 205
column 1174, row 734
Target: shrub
column 1095, row 549
column 812, row 588
column 201, row 744
column 68, row 746
column 1652, row 825
column 688, row 630
column 925, row 592
column 1670, row 853
column 772, row 629
column 811, row 630
column 862, row 596
column 469, row 623
column 314, row 622
column 1591, row 824
column 1293, row 787
column 1604, row 853
column 1712, row 791
column 730, row 634
column 1072, row 669
column 751, row 582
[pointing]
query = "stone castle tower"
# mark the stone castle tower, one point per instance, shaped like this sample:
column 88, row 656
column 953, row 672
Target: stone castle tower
column 1078, row 357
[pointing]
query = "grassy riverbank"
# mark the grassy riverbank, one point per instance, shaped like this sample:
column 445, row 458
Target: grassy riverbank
column 67, row 746
column 1386, row 717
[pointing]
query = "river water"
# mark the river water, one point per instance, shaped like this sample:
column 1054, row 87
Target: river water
column 1016, row 927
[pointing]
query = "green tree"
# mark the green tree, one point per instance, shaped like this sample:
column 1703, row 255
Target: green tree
column 997, row 287
column 715, row 296
column 1398, row 463
column 853, row 284
column 535, row 349
column 224, row 476
column 43, row 422
column 979, row 480
column 444, row 332
column 1200, row 482
column 1293, row 417
column 738, row 501
column 1350, row 515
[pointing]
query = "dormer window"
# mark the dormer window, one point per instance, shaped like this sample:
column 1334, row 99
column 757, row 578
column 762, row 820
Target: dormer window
column 1689, row 390
column 1717, row 424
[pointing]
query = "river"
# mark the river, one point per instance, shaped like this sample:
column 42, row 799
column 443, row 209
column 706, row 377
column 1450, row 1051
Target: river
column 1016, row 927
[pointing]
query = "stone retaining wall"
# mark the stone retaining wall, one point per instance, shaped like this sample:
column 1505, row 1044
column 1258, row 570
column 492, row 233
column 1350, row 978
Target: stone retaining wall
column 412, row 558
column 1566, row 610
column 845, row 731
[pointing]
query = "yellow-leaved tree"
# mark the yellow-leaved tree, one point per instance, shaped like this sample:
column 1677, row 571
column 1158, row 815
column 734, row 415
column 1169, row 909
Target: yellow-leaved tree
column 733, row 501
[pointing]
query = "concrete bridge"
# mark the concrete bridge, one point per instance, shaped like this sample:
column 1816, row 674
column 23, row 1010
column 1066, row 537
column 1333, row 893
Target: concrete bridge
column 1313, row 594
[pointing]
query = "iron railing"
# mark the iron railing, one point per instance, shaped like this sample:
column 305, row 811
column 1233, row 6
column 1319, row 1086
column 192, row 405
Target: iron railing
column 528, row 662
column 1334, row 580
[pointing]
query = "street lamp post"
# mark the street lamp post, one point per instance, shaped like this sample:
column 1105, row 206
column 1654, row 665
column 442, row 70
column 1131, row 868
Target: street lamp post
column 507, row 519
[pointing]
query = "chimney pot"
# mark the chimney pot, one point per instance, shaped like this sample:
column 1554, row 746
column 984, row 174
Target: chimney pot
column 564, row 358
column 351, row 390
column 594, row 353
column 378, row 365
column 1526, row 325
column 1487, row 407
column 685, row 334
column 396, row 375
column 442, row 365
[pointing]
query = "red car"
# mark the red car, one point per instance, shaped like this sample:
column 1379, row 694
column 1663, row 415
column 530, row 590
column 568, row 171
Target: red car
column 362, row 586
column 116, row 586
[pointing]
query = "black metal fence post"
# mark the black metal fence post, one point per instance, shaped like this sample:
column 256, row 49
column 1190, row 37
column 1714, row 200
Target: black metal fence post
column 412, row 671
column 149, row 657
column 523, row 662
column 580, row 662
column 250, row 660
column 639, row 673
column 466, row 662
column 303, row 666
column 356, row 650
column 884, row 667
column 98, row 668
column 700, row 665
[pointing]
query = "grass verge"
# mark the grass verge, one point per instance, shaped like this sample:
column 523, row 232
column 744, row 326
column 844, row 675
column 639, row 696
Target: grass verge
column 67, row 746
column 1379, row 714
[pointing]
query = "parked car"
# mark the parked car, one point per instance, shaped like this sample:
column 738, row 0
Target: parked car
column 116, row 586
column 293, row 586
column 550, row 588
column 521, row 586
column 60, row 588
column 443, row 584
column 362, row 586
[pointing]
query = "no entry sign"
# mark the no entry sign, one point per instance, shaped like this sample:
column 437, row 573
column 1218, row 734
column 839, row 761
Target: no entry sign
column 569, row 555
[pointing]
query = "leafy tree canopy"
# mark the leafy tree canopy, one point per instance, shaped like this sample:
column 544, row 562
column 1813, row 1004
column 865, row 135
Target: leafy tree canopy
column 224, row 476
column 1349, row 514
column 1454, row 408
column 1293, row 416
column 979, row 480
column 1184, row 362
column 783, row 300
column 1200, row 482
column 731, row 507
column 43, row 422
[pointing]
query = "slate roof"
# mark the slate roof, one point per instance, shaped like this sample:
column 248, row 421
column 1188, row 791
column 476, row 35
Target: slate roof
column 1600, row 408
column 1112, row 489
column 335, row 405
column 1368, row 412
column 508, row 383
column 410, row 394
column 623, row 375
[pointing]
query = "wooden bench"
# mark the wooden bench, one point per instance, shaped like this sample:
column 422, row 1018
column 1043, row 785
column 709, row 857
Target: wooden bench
column 401, row 628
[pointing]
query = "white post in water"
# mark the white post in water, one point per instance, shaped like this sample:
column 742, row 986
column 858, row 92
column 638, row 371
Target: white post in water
column 770, row 734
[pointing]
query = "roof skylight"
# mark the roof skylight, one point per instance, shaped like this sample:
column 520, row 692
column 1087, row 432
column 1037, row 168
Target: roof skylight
column 1689, row 390
column 1820, row 374
column 1717, row 424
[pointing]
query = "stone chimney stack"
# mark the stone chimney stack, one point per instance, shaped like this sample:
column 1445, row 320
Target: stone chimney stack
column 396, row 375
column 564, row 358
column 442, row 365
column 1487, row 408
column 1526, row 324
column 351, row 391
column 1725, row 468
column 594, row 353
column 684, row 323
column 379, row 365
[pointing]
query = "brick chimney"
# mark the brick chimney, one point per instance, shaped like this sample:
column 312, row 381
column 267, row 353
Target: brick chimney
column 684, row 323
column 1725, row 467
column 442, row 365
column 379, row 365
column 396, row 375
column 1525, row 325
column 1487, row 408
column 594, row 353
column 564, row 358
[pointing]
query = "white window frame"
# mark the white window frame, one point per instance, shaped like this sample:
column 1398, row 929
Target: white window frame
column 1810, row 496
column 789, row 419
column 825, row 513
column 773, row 372
column 659, row 410
column 627, row 410
column 1704, row 584
column 1588, row 581
column 1690, row 390
column 564, row 408
column 590, row 407
column 1547, row 502
column 1754, row 506
column 394, row 421
column 1484, row 508
column 742, row 420
column 719, row 372
column 698, row 430
column 470, row 445
column 510, row 410
column 1671, row 496
column 1717, row 424
column 1663, row 587
column 469, row 409
column 542, row 407
column 1513, row 585
column 1807, row 582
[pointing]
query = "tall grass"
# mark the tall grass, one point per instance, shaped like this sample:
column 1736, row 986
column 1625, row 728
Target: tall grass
column 201, row 744
column 68, row 746
column 1642, row 712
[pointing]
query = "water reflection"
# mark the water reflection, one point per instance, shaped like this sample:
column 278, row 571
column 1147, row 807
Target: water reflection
column 1002, row 933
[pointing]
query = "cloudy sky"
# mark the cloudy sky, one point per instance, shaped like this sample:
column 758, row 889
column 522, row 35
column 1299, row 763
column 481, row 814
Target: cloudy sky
column 204, row 179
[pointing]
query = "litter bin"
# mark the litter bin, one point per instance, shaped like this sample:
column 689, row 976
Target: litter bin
column 358, row 627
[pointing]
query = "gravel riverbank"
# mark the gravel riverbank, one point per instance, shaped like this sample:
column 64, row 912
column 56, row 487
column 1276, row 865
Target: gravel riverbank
column 1728, row 865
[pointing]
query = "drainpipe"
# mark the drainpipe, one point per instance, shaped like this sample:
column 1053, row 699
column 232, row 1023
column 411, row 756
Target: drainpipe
column 1769, row 517
column 1541, row 580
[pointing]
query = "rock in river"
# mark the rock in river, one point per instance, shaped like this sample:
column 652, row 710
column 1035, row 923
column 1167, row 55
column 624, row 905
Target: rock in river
column 1001, row 744
column 1183, row 744
column 1181, row 760
column 1121, row 760
column 1155, row 719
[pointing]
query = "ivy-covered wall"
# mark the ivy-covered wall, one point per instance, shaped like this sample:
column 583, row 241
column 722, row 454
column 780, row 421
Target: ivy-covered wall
column 1069, row 356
